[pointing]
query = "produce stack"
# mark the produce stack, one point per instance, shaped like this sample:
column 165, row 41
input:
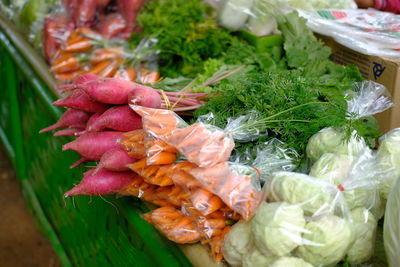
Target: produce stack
column 276, row 166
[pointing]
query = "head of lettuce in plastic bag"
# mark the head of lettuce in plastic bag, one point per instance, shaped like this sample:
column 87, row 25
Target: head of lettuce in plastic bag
column 331, row 140
column 257, row 258
column 314, row 196
column 238, row 243
column 388, row 161
column 364, row 230
column 277, row 227
column 290, row 261
column 326, row 240
column 332, row 168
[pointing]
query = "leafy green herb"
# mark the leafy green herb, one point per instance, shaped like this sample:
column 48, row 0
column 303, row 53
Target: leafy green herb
column 187, row 35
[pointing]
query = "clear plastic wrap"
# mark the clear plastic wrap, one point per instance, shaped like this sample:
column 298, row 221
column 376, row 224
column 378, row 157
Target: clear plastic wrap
column 258, row 16
column 237, row 185
column 388, row 161
column 391, row 227
column 367, row 98
column 369, row 31
column 331, row 140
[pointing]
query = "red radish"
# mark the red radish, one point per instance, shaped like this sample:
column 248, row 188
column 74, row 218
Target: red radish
column 111, row 25
column 101, row 4
column 82, row 79
column 104, row 182
column 115, row 160
column 145, row 96
column 79, row 99
column 119, row 118
column 67, row 132
column 86, row 11
column 70, row 118
column 79, row 162
column 90, row 122
column 92, row 146
column 129, row 9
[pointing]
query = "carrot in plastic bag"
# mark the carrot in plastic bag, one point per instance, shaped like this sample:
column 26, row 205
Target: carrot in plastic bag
column 101, row 54
column 158, row 122
column 99, row 67
column 111, row 69
column 201, row 144
column 127, row 73
column 152, row 174
column 174, row 225
column 65, row 63
column 237, row 185
column 158, row 146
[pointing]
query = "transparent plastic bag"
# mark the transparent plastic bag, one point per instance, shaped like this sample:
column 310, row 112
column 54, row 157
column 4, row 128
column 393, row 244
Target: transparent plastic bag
column 324, row 233
column 391, row 227
column 258, row 16
column 369, row 31
column 388, row 161
column 237, row 185
column 367, row 98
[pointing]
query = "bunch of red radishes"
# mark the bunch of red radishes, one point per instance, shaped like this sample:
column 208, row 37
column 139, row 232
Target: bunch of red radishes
column 99, row 114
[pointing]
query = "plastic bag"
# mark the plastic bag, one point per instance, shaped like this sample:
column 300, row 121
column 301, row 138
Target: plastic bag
column 369, row 31
column 324, row 233
column 388, row 161
column 258, row 16
column 237, row 185
column 367, row 98
column 391, row 227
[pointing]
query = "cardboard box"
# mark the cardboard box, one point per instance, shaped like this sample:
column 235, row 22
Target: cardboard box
column 381, row 70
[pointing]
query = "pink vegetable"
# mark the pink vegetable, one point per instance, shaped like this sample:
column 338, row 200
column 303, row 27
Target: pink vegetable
column 107, row 90
column 92, row 146
column 119, row 118
column 111, row 25
column 145, row 96
column 79, row 99
column 104, row 182
column 82, row 79
column 84, row 16
column 70, row 118
column 115, row 160
column 129, row 9
column 67, row 132
column 101, row 4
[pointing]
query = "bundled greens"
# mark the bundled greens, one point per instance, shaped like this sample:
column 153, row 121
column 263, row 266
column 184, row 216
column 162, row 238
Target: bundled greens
column 186, row 35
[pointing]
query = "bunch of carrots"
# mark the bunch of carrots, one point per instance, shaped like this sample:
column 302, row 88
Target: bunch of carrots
column 188, row 212
column 75, row 40
column 87, row 52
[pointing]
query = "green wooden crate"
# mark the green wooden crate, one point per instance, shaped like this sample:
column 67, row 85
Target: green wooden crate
column 84, row 231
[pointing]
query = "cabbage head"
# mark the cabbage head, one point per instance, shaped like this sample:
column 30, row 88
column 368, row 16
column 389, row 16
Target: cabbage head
column 315, row 197
column 277, row 227
column 256, row 258
column 237, row 243
column 290, row 261
column 388, row 162
column 331, row 140
column 326, row 240
column 364, row 229
column 391, row 227
column 332, row 168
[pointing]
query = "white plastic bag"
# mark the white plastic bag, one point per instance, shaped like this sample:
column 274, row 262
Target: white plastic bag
column 391, row 227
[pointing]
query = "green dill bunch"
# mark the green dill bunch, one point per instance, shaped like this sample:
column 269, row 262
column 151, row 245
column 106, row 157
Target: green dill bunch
column 291, row 107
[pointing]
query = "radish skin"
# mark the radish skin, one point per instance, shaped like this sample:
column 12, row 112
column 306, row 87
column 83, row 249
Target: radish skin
column 120, row 118
column 82, row 101
column 115, row 160
column 82, row 79
column 145, row 96
column 70, row 118
column 104, row 182
column 109, row 90
column 67, row 132
column 93, row 145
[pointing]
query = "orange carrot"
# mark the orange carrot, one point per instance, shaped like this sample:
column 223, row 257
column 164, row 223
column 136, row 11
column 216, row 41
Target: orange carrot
column 65, row 63
column 99, row 67
column 159, row 146
column 148, row 76
column 161, row 158
column 110, row 70
column 101, row 54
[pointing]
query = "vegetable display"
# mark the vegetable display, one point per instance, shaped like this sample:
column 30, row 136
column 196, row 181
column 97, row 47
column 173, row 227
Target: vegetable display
column 261, row 149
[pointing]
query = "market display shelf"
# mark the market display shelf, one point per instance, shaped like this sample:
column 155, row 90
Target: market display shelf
column 84, row 231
